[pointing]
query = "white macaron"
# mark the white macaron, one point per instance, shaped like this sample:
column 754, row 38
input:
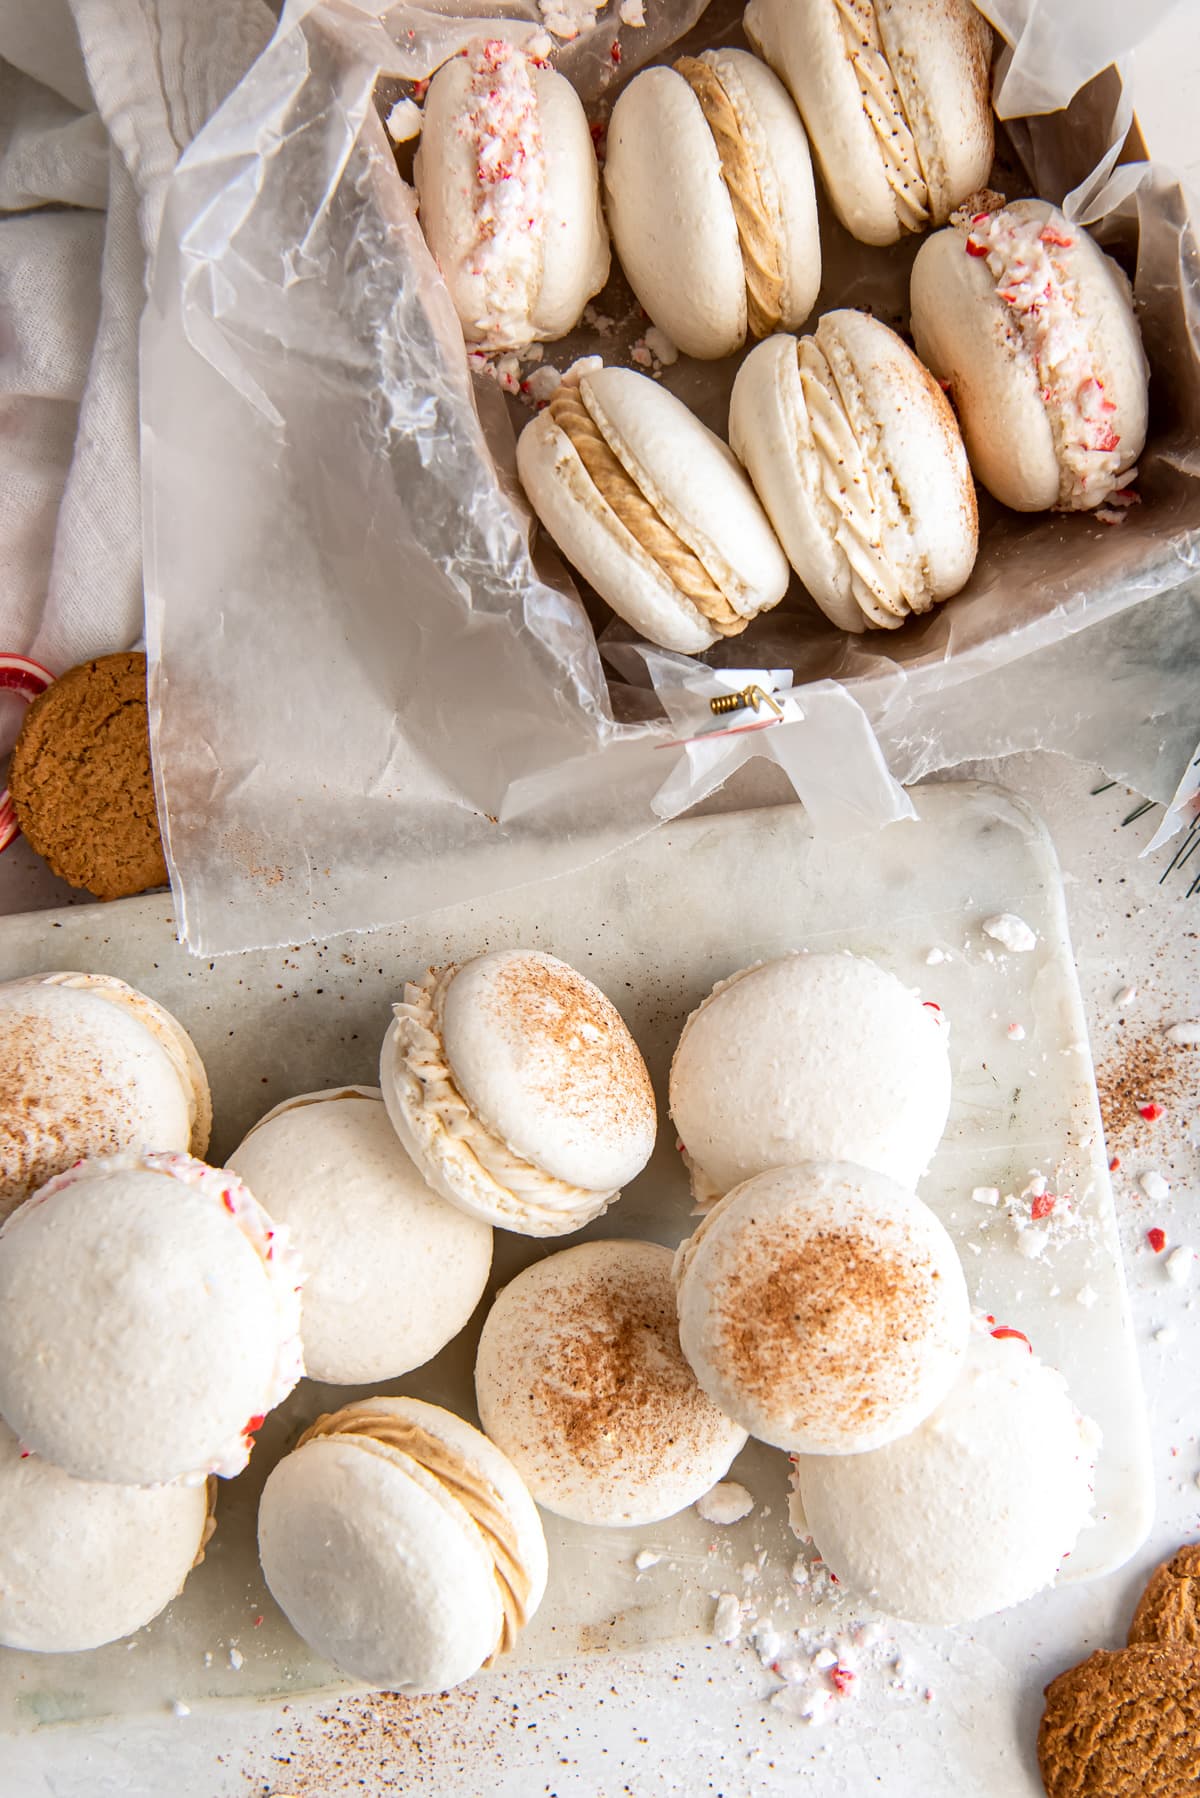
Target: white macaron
column 711, row 204
column 401, row 1544
column 972, row 1512
column 1032, row 328
column 89, row 1066
column 518, row 1091
column 509, row 195
column 394, row 1272
column 823, row 1307
column 84, row 1562
column 896, row 95
column 149, row 1319
column 856, row 456
column 652, row 509
column 810, row 1058
column 581, row 1381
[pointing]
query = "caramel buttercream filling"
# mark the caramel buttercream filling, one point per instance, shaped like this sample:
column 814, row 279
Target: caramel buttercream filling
column 478, row 1498
column 756, row 233
column 682, row 567
column 880, row 93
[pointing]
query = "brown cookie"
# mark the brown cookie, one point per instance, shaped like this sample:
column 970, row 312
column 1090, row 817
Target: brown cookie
column 81, row 782
column 1124, row 1724
column 1169, row 1609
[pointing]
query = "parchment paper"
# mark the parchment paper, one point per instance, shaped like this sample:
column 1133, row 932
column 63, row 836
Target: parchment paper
column 369, row 700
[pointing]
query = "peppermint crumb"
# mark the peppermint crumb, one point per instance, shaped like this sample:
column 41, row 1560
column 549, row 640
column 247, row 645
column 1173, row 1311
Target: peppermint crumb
column 179, row 1708
column 1126, row 996
column 1185, row 1035
column 1180, row 1263
column 1016, row 1033
column 1166, row 1334
column 1086, row 1296
column 727, row 1618
column 237, row 1659
column 728, row 1502
column 1011, row 932
column 934, row 957
column 644, row 1558
column 986, row 1195
column 1153, row 1184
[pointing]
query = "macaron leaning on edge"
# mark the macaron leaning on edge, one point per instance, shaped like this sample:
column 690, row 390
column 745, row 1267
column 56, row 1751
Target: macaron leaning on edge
column 183, row 1328
column 401, row 1544
column 652, row 509
column 710, row 197
column 1032, row 327
column 89, row 1066
column 516, row 1087
column 394, row 1272
column 509, row 195
column 896, row 96
column 857, row 458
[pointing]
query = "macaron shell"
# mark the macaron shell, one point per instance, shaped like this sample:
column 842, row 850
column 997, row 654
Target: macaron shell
column 694, row 482
column 592, row 539
column 546, row 1062
column 394, row 1271
column 575, row 252
column 774, row 130
column 83, row 1563
column 671, row 218
column 941, row 58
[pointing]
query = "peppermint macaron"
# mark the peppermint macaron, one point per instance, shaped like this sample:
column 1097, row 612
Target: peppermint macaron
column 710, row 197
column 401, row 1544
column 809, row 1058
column 581, row 1381
column 1032, row 328
column 652, row 509
column 896, row 95
column 509, row 195
column 854, row 452
column 823, row 1307
column 516, row 1088
column 182, row 1326
column 89, row 1066
column 83, row 1562
column 394, row 1272
column 977, row 1508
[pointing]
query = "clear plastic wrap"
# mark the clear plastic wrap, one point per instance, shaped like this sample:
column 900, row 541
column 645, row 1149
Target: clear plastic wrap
column 369, row 699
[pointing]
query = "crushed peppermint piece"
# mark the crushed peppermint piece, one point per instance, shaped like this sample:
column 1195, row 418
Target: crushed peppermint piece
column 179, row 1708
column 646, row 1557
column 1037, row 1185
column 1043, row 1205
column 660, row 345
column 1186, row 1035
column 1157, row 1239
column 633, row 14
column 934, row 957
column 1086, row 1296
column 404, row 122
column 841, row 1678
column 1153, row 1184
column 1016, row 1033
column 237, row 1659
column 1151, row 1112
column 567, row 18
column 1114, row 1164
column 1011, row 932
column 824, row 1658
column 1126, row 996
column 1166, row 1334
column 580, row 369
column 542, row 385
column 727, row 1618
column 1179, row 1265
column 1006, row 1333
column 986, row 1195
column 728, row 1502
column 1032, row 1241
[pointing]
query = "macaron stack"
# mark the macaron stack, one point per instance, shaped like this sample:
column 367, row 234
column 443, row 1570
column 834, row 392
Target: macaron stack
column 859, row 455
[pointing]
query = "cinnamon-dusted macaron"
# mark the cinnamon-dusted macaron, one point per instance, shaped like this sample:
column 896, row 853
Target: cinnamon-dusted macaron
column 81, row 780
column 581, row 1381
column 823, row 1307
column 711, row 201
column 809, row 1058
column 401, row 1544
column 516, row 1087
column 149, row 1319
column 83, row 1562
column 394, row 1272
column 89, row 1066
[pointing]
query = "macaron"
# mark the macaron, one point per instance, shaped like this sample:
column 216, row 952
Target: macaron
column 809, row 1058
column 509, row 195
column 823, row 1307
column 517, row 1090
column 84, row 1562
column 652, row 509
column 896, row 95
column 977, row 1508
column 179, row 1332
column 394, row 1272
column 856, row 456
column 89, row 1066
column 81, row 779
column 1031, row 326
column 401, row 1544
column 709, row 190
column 580, row 1379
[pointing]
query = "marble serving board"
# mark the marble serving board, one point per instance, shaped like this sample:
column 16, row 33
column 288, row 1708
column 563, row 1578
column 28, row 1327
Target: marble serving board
column 655, row 926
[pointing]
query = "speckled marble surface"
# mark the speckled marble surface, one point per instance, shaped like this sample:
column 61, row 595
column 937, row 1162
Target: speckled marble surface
column 959, row 1713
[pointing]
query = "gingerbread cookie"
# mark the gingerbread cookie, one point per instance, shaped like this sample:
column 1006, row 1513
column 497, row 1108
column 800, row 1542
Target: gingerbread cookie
column 1169, row 1609
column 1124, row 1724
column 81, row 781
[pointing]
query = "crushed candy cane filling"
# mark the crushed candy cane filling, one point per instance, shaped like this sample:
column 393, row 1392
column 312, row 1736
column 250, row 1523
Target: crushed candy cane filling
column 1026, row 257
column 502, row 123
